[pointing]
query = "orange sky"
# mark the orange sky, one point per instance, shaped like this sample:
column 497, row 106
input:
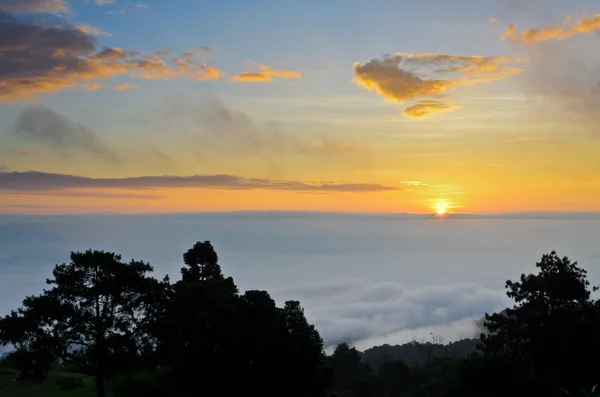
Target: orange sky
column 505, row 123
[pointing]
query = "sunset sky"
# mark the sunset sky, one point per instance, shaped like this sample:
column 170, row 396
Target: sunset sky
column 474, row 106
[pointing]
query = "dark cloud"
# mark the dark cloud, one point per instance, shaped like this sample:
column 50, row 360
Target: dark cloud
column 85, row 194
column 60, row 133
column 37, row 58
column 33, row 6
column 36, row 181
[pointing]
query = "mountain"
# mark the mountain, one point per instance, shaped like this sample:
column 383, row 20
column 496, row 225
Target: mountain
column 418, row 353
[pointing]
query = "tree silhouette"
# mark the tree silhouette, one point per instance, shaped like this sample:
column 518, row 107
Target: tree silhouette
column 96, row 308
column 549, row 324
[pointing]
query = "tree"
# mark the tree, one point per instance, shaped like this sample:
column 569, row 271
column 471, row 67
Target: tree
column 96, row 307
column 350, row 373
column 551, row 323
column 394, row 377
column 197, row 336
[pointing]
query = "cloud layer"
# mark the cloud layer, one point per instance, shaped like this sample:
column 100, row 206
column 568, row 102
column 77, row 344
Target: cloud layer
column 370, row 279
column 420, row 80
column 42, row 181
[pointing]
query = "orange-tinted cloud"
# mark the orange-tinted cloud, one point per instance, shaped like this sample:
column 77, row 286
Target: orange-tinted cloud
column 567, row 28
column 38, row 58
column 266, row 74
column 124, row 86
column 421, row 79
column 91, row 85
column 423, row 108
column 247, row 77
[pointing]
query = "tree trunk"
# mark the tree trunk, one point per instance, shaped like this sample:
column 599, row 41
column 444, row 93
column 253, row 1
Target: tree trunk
column 100, row 391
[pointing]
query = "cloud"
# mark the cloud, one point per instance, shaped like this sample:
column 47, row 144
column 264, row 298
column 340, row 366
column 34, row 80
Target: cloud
column 37, row 58
column 423, row 108
column 23, row 152
column 33, row 6
column 87, row 29
column 359, row 313
column 142, row 6
column 59, row 133
column 34, row 181
column 104, row 2
column 566, row 29
column 266, row 74
column 229, row 131
column 124, row 86
column 91, row 85
column 421, row 79
column 562, row 81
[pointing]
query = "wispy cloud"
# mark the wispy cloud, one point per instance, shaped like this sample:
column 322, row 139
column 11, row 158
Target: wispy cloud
column 41, row 181
column 420, row 80
column 104, row 2
column 265, row 74
column 124, row 86
column 569, row 27
column 91, row 30
column 226, row 131
column 59, row 133
column 423, row 108
column 562, row 78
column 34, row 6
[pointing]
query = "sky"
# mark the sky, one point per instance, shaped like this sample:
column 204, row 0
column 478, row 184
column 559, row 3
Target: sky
column 312, row 142
column 482, row 106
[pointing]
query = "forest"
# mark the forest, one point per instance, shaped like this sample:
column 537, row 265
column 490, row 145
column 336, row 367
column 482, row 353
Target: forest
column 107, row 327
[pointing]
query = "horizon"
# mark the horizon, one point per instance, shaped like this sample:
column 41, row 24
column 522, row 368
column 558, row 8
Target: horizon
column 368, row 279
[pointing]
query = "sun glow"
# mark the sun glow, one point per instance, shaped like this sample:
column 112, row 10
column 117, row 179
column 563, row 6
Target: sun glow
column 441, row 209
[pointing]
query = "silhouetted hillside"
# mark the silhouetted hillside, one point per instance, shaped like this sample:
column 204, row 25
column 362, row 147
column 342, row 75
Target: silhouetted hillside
column 414, row 353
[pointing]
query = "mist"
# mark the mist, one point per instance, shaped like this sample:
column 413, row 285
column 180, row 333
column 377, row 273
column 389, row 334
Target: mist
column 364, row 279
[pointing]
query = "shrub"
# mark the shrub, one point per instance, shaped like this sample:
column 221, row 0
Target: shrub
column 70, row 382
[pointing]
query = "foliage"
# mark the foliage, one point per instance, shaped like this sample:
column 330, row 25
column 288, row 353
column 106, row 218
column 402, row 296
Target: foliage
column 94, row 314
column 553, row 324
column 70, row 382
column 144, row 337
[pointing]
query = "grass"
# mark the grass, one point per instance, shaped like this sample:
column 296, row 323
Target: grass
column 49, row 388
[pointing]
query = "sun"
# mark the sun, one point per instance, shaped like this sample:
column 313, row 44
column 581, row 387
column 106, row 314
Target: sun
column 441, row 209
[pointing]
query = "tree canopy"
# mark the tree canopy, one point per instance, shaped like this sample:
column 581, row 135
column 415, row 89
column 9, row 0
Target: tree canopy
column 200, row 336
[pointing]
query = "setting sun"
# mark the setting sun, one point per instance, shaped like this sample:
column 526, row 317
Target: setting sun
column 441, row 208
